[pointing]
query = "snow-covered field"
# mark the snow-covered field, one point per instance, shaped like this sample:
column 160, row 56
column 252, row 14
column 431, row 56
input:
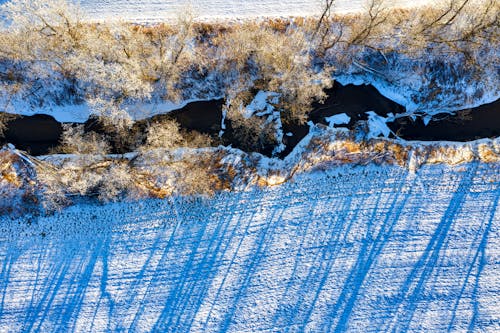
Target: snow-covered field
column 359, row 249
column 161, row 10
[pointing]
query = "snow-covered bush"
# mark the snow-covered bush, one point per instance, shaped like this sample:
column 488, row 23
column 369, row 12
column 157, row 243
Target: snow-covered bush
column 168, row 135
column 4, row 119
column 254, row 57
column 75, row 141
column 429, row 58
column 108, row 180
column 117, row 182
column 163, row 135
column 254, row 133
column 16, row 190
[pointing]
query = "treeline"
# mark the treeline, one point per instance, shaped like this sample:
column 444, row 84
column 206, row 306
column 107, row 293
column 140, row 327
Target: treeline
column 51, row 55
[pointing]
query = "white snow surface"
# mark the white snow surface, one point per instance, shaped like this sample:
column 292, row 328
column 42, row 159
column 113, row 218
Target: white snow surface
column 356, row 249
column 338, row 119
column 151, row 11
column 261, row 105
column 377, row 125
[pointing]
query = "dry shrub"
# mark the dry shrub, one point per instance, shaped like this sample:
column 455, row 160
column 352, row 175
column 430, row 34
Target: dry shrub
column 278, row 24
column 75, row 141
column 163, row 135
column 194, row 139
column 399, row 153
column 118, row 182
column 488, row 154
column 8, row 171
column 253, row 57
column 53, row 190
column 114, row 62
column 163, row 173
column 17, row 186
column 450, row 155
column 195, row 178
column 107, row 180
column 4, row 119
column 254, row 133
column 352, row 147
column 380, row 146
column 465, row 29
column 168, row 135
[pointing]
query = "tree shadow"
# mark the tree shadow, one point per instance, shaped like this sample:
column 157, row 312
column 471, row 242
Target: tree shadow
column 209, row 267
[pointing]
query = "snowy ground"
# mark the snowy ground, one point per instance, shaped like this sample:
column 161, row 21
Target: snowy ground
column 360, row 249
column 161, row 10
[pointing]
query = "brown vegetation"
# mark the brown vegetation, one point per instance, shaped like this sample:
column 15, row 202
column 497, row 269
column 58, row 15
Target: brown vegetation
column 111, row 66
column 75, row 141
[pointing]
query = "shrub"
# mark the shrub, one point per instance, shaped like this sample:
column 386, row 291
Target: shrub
column 75, row 141
column 112, row 63
column 168, row 135
column 253, row 134
column 262, row 58
column 163, row 135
